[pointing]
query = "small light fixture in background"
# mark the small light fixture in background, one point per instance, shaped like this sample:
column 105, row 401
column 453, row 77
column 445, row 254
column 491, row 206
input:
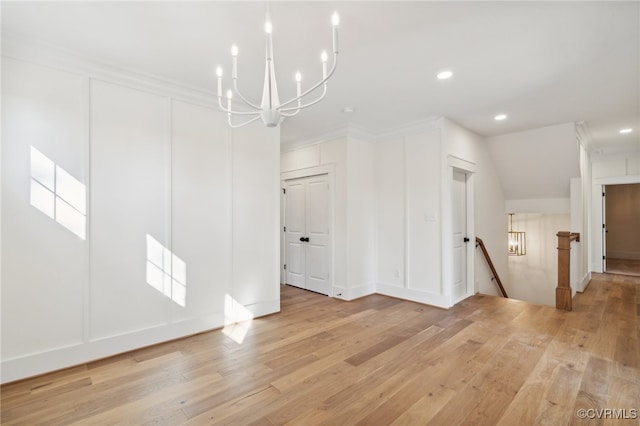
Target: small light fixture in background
column 517, row 240
column 500, row 117
column 627, row 130
column 444, row 75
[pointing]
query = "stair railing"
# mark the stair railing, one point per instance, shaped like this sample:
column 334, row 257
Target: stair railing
column 563, row 291
column 495, row 277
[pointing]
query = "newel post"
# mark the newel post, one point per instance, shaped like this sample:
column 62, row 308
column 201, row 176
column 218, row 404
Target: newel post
column 563, row 290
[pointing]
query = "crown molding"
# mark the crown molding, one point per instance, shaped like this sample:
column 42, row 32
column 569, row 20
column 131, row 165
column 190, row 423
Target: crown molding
column 343, row 132
column 44, row 54
column 358, row 133
column 584, row 135
column 429, row 123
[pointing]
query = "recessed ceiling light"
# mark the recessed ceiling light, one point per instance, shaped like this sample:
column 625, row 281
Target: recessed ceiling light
column 500, row 117
column 627, row 130
column 444, row 75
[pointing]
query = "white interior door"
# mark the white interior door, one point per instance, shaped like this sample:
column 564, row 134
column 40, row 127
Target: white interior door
column 294, row 231
column 308, row 250
column 459, row 224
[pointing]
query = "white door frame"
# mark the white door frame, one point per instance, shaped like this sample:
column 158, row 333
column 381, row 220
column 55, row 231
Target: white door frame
column 329, row 170
column 596, row 262
column 469, row 169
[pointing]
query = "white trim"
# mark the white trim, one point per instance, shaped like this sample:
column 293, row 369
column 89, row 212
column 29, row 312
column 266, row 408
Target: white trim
column 419, row 126
column 81, row 353
column 583, row 134
column 22, row 49
column 582, row 284
column 617, row 180
column 308, row 171
column 353, row 132
column 351, row 293
column 458, row 163
column 325, row 169
column 343, row 132
column 596, row 264
column 468, row 168
column 407, row 222
column 427, row 298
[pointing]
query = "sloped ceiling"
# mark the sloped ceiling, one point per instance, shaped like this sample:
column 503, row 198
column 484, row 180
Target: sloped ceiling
column 541, row 63
column 536, row 164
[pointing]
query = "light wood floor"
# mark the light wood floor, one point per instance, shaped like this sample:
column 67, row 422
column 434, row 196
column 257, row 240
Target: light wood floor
column 623, row 266
column 374, row 361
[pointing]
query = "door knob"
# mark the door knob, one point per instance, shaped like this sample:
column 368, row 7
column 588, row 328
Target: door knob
column 466, row 240
column 304, row 239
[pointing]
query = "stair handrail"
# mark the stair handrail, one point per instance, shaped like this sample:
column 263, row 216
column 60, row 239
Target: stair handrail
column 495, row 277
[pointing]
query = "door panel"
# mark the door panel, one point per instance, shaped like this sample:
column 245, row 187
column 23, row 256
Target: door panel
column 318, row 233
column 295, row 225
column 459, row 224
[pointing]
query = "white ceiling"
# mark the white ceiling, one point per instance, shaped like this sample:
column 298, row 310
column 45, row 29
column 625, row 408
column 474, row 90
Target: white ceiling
column 542, row 63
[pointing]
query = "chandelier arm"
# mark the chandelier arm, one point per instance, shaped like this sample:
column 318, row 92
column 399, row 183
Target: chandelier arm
column 235, row 126
column 324, row 80
column 284, row 114
column 229, row 111
column 237, row 92
column 299, row 107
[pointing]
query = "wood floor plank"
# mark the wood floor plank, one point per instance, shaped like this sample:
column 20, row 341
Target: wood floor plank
column 375, row 360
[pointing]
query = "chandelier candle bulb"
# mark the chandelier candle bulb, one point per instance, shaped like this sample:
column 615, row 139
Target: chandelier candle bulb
column 219, row 74
column 335, row 20
column 324, row 57
column 234, row 58
column 269, row 29
column 298, row 83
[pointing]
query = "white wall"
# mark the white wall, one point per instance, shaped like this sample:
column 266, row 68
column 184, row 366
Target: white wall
column 390, row 208
column 534, row 277
column 154, row 166
column 360, row 217
column 413, row 184
column 489, row 220
column 607, row 169
column 408, row 216
column 351, row 159
column 536, row 182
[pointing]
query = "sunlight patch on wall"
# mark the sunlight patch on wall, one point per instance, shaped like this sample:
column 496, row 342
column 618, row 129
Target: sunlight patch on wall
column 166, row 272
column 237, row 320
column 58, row 194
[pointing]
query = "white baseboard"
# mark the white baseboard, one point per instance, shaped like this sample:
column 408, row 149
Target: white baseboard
column 351, row 293
column 59, row 358
column 581, row 284
column 414, row 295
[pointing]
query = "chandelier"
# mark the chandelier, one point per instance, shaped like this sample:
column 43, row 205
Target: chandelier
column 271, row 110
column 517, row 240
